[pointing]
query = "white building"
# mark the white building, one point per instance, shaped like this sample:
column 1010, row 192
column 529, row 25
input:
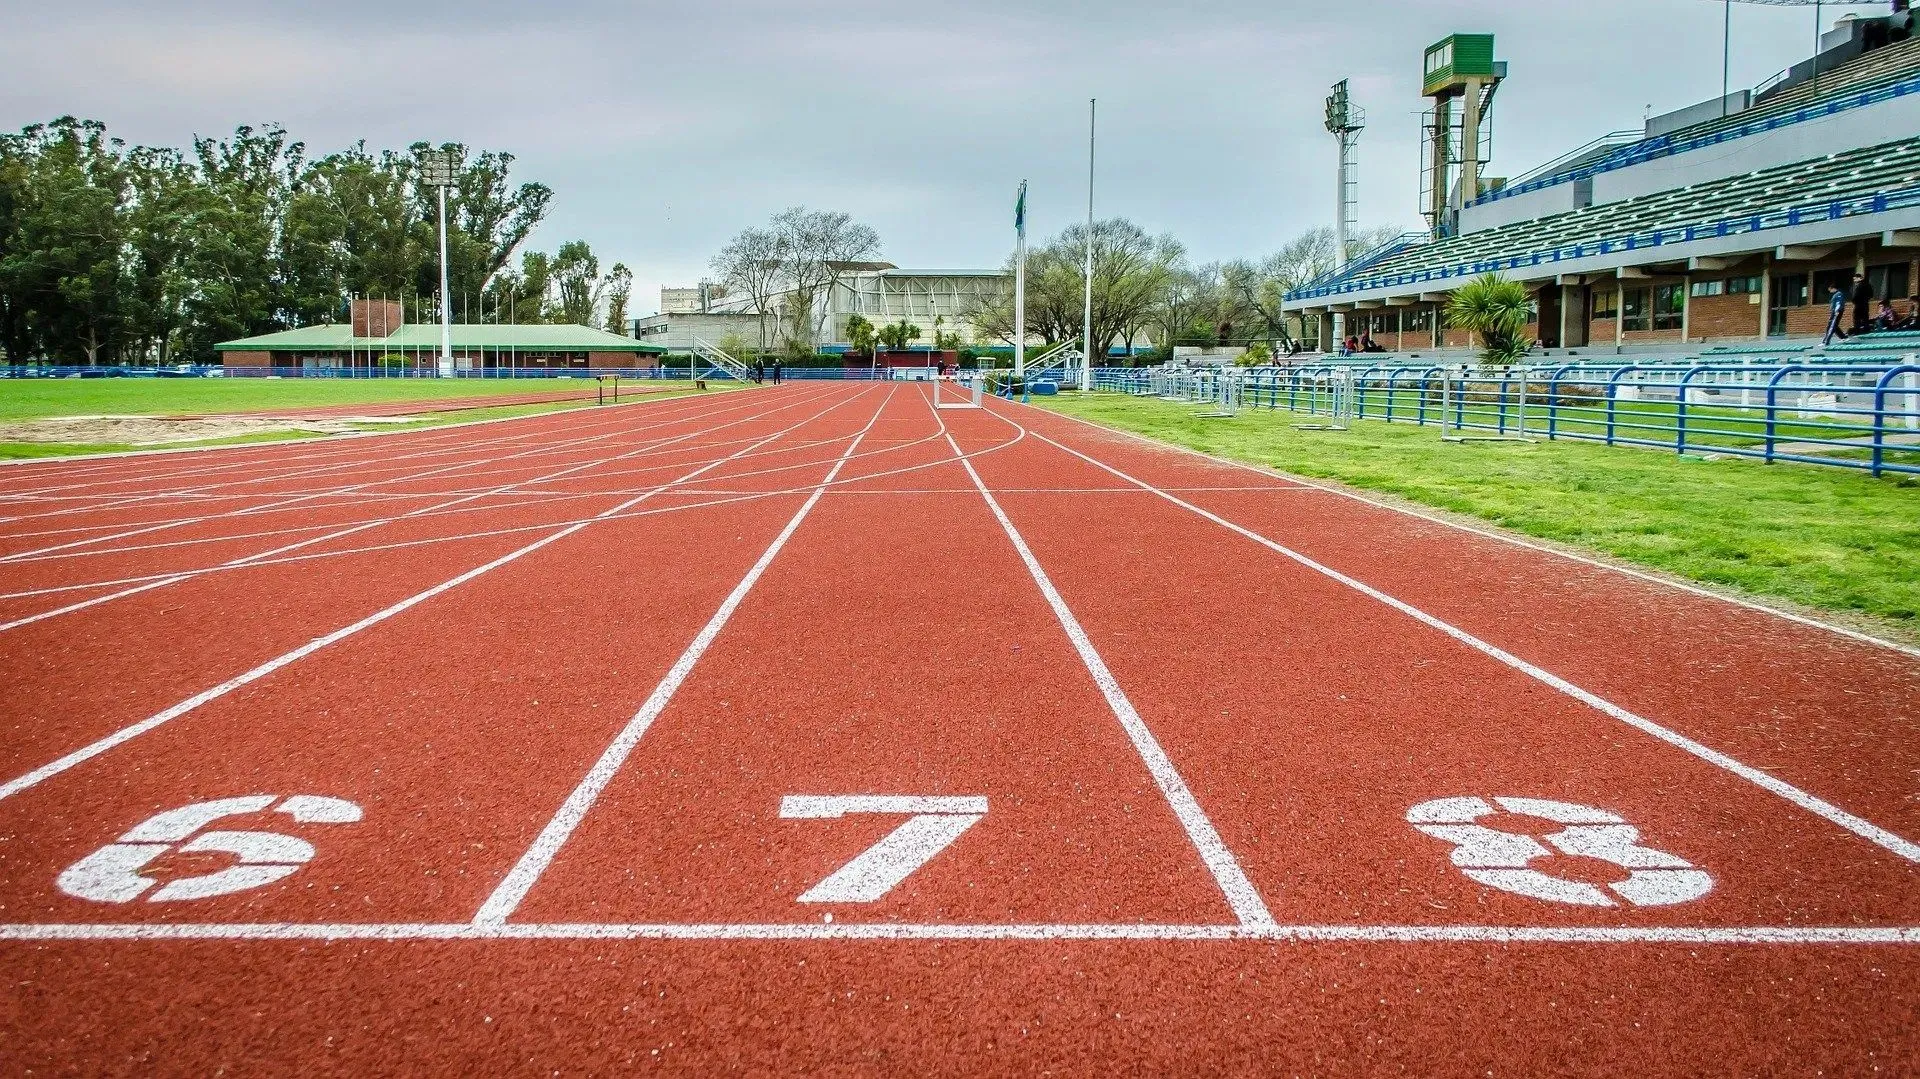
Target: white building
column 879, row 292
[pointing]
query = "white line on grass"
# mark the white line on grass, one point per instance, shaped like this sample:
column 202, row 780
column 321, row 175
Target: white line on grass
column 127, row 734
column 1241, row 896
column 1861, row 827
column 883, row 931
column 546, row 846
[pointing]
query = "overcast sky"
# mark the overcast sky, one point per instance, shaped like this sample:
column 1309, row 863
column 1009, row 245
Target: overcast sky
column 664, row 128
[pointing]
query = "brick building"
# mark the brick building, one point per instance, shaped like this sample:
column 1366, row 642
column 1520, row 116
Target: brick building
column 1722, row 223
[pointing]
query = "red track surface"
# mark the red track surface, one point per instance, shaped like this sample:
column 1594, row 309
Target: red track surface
column 570, row 672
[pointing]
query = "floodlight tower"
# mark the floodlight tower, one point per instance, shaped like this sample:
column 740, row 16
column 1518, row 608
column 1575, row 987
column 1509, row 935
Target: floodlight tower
column 1345, row 120
column 1460, row 66
column 436, row 171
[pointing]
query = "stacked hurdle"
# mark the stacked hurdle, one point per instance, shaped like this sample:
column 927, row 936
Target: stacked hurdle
column 970, row 387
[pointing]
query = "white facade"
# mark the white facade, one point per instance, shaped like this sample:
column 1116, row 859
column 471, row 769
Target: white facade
column 881, row 296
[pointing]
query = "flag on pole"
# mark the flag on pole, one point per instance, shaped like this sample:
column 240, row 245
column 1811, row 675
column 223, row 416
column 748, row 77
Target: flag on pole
column 1020, row 210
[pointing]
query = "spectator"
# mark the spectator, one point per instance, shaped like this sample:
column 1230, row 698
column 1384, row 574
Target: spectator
column 1836, row 306
column 1912, row 321
column 1862, row 304
column 1887, row 318
column 1366, row 341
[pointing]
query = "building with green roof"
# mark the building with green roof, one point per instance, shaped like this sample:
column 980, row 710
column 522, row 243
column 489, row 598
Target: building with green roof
column 376, row 337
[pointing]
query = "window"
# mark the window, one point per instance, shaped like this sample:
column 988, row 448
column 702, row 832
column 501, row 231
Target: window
column 1825, row 281
column 1741, row 286
column 1709, row 288
column 1635, row 308
column 1669, row 307
column 1606, row 303
column 1790, row 290
column 1416, row 318
column 1889, row 282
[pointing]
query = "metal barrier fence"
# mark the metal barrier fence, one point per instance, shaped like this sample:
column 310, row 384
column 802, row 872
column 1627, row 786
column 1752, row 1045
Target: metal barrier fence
column 1844, row 415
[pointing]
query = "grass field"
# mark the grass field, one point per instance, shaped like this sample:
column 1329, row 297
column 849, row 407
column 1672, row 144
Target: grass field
column 27, row 399
column 1825, row 538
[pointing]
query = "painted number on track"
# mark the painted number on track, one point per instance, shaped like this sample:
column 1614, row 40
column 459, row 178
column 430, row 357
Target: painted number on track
column 112, row 873
column 1504, row 859
column 934, row 822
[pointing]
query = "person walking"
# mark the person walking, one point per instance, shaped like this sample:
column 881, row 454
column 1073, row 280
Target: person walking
column 1862, row 304
column 1836, row 306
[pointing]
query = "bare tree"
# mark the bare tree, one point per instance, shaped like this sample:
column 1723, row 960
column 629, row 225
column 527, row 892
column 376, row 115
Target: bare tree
column 819, row 248
column 1189, row 296
column 752, row 263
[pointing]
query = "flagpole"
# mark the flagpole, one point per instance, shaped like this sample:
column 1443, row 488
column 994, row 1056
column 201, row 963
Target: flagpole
column 1086, row 354
column 1020, row 284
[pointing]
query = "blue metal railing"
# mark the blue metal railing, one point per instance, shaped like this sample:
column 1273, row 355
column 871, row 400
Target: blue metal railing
column 1364, row 260
column 1807, row 214
column 1666, row 145
column 529, row 373
column 1863, row 416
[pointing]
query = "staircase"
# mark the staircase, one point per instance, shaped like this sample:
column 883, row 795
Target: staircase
column 718, row 362
column 1059, row 364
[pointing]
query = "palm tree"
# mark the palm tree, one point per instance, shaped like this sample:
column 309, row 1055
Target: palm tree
column 1496, row 309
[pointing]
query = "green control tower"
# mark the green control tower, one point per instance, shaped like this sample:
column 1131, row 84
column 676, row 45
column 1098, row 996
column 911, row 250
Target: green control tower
column 1461, row 66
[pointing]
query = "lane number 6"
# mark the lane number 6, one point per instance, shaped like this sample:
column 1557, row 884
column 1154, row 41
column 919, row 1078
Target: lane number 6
column 112, row 873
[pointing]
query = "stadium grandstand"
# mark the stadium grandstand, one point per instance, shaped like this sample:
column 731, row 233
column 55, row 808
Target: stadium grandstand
column 1725, row 222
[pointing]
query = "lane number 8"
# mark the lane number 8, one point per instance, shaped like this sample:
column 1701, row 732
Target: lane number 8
column 1505, row 860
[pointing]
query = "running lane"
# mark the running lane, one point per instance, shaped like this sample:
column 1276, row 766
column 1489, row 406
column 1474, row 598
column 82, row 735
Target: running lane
column 1814, row 707
column 1356, row 759
column 82, row 676
column 894, row 660
column 449, row 730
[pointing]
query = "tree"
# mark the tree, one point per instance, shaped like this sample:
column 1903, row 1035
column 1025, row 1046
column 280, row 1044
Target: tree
column 897, row 335
column 861, row 335
column 818, row 248
column 1189, row 298
column 63, row 263
column 1496, row 309
column 751, row 263
column 619, row 289
column 487, row 218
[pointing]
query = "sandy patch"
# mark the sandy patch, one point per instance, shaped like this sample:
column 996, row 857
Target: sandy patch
column 165, row 430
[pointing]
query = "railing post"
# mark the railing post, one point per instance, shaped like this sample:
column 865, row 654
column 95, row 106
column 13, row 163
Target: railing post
column 1773, row 407
column 1613, row 397
column 1680, row 411
column 1553, row 399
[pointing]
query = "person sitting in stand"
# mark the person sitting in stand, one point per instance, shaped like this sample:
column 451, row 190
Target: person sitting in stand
column 1912, row 321
column 1886, row 318
column 1366, row 341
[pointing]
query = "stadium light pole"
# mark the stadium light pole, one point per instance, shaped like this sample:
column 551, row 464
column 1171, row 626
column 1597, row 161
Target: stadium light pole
column 437, row 170
column 1086, row 328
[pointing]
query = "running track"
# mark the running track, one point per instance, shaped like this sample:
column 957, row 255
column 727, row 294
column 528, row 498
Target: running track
column 817, row 729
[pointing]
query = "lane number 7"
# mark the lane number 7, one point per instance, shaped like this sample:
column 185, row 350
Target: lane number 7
column 934, row 822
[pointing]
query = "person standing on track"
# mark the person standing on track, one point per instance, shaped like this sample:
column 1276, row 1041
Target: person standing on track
column 777, row 368
column 759, row 371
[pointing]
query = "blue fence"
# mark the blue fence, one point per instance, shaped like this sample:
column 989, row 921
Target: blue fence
column 1864, row 416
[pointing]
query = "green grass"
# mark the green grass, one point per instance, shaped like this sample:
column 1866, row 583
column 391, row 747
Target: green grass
column 38, row 398
column 1831, row 539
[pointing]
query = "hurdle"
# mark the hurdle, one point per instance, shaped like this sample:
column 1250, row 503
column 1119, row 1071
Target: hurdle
column 1338, row 397
column 971, row 392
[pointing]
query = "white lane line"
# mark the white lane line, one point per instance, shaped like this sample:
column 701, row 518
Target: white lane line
column 1309, row 934
column 487, row 533
column 1241, row 896
column 293, row 499
column 546, row 846
column 128, row 733
column 1737, row 601
column 246, row 560
column 1861, row 827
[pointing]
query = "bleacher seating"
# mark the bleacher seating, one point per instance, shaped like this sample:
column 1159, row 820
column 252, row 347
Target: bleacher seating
column 1876, row 70
column 1865, row 172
